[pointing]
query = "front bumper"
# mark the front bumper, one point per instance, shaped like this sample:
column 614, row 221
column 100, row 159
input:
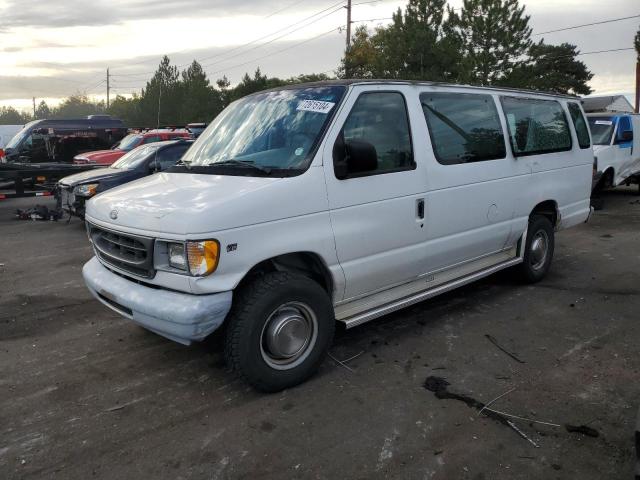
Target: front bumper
column 181, row 317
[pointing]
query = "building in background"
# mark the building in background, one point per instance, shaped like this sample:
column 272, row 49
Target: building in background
column 607, row 104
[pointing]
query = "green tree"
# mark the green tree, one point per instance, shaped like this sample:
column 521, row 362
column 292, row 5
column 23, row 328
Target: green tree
column 551, row 68
column 201, row 102
column 361, row 59
column 160, row 99
column 493, row 37
column 11, row 116
column 254, row 84
column 78, row 106
column 127, row 109
column 43, row 111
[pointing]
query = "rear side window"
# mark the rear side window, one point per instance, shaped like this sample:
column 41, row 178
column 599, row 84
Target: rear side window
column 580, row 124
column 463, row 127
column 536, row 126
column 380, row 118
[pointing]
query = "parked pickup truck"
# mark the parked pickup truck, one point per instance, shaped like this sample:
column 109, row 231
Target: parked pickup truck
column 74, row 191
column 128, row 143
column 616, row 145
column 338, row 201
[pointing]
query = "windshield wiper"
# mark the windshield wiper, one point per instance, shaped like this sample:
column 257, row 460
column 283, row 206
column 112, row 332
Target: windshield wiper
column 187, row 165
column 239, row 163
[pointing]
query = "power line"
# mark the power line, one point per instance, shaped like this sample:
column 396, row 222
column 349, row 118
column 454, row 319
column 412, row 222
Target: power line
column 283, row 9
column 604, row 51
column 588, row 25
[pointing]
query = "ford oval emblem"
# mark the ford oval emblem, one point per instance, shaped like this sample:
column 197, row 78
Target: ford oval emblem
column 113, row 215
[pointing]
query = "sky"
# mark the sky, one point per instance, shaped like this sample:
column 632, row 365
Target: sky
column 50, row 51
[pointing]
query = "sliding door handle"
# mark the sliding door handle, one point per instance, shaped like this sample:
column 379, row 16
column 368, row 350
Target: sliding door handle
column 420, row 208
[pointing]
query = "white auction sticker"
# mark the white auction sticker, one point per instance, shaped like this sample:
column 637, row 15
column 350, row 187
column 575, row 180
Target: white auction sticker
column 317, row 106
column 604, row 122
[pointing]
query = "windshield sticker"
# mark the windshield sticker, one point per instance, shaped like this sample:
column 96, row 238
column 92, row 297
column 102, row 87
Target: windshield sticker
column 316, row 106
column 299, row 151
column 604, row 122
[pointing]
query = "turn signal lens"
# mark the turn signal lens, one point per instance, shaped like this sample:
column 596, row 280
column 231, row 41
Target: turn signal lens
column 203, row 257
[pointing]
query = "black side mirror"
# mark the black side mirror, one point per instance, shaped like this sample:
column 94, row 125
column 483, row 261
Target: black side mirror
column 626, row 136
column 354, row 156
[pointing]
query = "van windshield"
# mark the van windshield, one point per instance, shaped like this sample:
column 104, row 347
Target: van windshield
column 135, row 157
column 266, row 133
column 601, row 129
column 129, row 142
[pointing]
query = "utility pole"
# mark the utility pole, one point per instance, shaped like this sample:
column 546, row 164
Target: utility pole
column 108, row 87
column 638, row 84
column 348, row 24
column 34, row 107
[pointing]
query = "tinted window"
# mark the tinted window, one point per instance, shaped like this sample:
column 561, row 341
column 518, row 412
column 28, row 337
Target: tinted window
column 580, row 124
column 168, row 157
column 380, row 118
column 536, row 126
column 463, row 127
column 624, row 125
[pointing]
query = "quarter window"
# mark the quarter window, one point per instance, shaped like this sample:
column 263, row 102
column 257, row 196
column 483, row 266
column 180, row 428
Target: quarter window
column 380, row 119
column 536, row 126
column 580, row 124
column 463, row 127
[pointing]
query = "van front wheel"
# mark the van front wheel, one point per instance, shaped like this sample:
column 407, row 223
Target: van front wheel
column 538, row 251
column 279, row 330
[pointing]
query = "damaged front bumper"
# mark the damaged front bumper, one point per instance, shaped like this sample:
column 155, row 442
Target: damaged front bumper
column 181, row 317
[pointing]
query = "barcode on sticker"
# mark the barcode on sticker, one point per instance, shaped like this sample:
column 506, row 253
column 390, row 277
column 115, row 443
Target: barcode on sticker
column 317, row 106
column 604, row 122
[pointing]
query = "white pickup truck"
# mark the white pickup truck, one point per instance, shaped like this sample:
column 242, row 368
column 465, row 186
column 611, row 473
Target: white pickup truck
column 338, row 201
column 616, row 145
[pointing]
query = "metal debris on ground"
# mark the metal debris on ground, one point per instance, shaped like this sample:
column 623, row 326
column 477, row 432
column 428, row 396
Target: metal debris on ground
column 500, row 347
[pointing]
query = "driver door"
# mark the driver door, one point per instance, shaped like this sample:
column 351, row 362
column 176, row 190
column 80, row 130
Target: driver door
column 378, row 214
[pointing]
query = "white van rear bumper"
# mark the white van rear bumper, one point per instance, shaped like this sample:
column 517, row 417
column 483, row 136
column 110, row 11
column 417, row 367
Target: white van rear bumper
column 181, row 317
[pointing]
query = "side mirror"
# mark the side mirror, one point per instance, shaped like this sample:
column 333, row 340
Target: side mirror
column 354, row 156
column 625, row 136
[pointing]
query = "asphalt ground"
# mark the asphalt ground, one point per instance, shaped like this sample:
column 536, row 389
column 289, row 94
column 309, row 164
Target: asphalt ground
column 87, row 394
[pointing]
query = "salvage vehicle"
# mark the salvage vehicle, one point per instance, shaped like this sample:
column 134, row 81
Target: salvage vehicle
column 55, row 141
column 338, row 201
column 616, row 145
column 72, row 192
column 128, row 143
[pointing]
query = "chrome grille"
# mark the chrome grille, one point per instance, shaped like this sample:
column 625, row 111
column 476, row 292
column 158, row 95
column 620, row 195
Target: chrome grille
column 130, row 253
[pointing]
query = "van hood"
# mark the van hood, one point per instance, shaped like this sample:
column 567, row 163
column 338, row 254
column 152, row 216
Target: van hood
column 191, row 204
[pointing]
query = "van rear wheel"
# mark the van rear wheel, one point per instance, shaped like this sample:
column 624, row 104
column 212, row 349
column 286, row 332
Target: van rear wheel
column 279, row 330
column 539, row 247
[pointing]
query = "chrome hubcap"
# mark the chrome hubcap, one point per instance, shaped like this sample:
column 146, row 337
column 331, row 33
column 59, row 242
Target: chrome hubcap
column 288, row 335
column 539, row 249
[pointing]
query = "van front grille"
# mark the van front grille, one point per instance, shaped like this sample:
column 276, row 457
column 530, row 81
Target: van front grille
column 130, row 253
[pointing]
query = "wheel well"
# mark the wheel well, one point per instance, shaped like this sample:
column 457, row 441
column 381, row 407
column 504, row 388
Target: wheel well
column 609, row 174
column 549, row 209
column 304, row 263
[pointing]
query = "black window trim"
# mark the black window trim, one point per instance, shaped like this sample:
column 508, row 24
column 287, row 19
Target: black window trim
column 435, row 153
column 536, row 152
column 586, row 122
column 413, row 165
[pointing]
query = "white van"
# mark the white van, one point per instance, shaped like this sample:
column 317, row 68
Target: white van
column 616, row 145
column 343, row 200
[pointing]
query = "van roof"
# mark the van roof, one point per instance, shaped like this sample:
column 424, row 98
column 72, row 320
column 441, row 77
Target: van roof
column 358, row 81
column 79, row 122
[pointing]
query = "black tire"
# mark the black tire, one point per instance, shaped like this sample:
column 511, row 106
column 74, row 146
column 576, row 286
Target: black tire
column 256, row 305
column 533, row 268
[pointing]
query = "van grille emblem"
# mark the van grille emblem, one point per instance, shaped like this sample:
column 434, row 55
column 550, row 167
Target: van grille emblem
column 113, row 215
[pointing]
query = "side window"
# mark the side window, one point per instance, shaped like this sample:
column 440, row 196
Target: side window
column 624, row 133
column 464, row 127
column 376, row 137
column 580, row 124
column 152, row 139
column 536, row 126
column 168, row 157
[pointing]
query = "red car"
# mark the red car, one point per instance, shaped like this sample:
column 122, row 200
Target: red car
column 128, row 143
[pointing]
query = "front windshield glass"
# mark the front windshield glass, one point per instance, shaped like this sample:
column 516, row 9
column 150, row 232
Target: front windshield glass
column 134, row 158
column 129, row 142
column 19, row 137
column 271, row 130
column 601, row 129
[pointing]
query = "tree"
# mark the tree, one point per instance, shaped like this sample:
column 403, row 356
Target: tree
column 493, row 37
column 361, row 60
column 160, row 99
column 254, row 84
column 11, row 116
column 43, row 111
column 127, row 109
column 77, row 106
column 551, row 68
column 201, row 102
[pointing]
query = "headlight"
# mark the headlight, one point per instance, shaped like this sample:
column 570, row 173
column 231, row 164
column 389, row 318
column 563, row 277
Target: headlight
column 87, row 190
column 198, row 258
